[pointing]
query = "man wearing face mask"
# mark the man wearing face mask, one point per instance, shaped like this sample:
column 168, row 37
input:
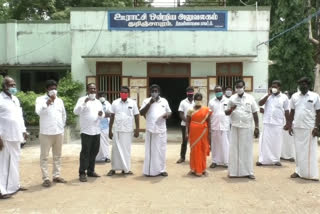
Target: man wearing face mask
column 12, row 133
column 220, row 128
column 51, row 111
column 123, row 112
column 185, row 105
column 242, row 109
column 276, row 114
column 304, row 125
column 228, row 92
column 156, row 110
column 103, row 154
column 91, row 112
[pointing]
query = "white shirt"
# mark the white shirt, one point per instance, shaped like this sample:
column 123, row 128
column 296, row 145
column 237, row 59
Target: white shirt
column 89, row 118
column 11, row 119
column 218, row 119
column 274, row 109
column 242, row 115
column 184, row 107
column 154, row 117
column 124, row 114
column 305, row 107
column 52, row 117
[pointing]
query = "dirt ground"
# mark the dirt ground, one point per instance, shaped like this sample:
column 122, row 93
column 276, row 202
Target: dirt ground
column 272, row 192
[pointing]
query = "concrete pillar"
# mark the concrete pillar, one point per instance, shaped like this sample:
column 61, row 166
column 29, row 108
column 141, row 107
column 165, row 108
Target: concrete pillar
column 11, row 44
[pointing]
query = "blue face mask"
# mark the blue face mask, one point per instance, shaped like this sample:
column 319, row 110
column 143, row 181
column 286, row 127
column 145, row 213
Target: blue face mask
column 219, row 94
column 12, row 90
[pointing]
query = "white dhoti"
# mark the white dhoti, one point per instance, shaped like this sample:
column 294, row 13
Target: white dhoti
column 9, row 167
column 220, row 147
column 287, row 148
column 155, row 153
column 306, row 150
column 103, row 153
column 241, row 152
column 270, row 144
column 121, row 151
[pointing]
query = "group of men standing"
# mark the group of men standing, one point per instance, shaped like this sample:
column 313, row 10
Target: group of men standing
column 233, row 124
column 288, row 126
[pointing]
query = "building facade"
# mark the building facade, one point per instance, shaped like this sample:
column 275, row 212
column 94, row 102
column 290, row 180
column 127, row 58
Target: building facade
column 173, row 47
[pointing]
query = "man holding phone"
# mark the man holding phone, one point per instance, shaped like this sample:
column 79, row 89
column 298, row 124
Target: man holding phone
column 52, row 113
column 91, row 112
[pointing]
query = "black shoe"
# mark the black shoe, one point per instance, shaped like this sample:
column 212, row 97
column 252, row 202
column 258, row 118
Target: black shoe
column 294, row 175
column 46, row 183
column 181, row 160
column 291, row 159
column 93, row 174
column 251, row 177
column 259, row 164
column 164, row 174
column 213, row 165
column 111, row 172
column 83, row 178
column 5, row 196
column 127, row 173
column 107, row 160
column 278, row 164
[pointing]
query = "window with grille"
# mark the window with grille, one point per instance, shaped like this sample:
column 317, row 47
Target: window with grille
column 109, row 79
column 228, row 73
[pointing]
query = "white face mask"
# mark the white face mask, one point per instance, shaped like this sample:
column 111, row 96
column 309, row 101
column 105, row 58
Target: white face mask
column 92, row 96
column 240, row 90
column 102, row 99
column 228, row 93
column 52, row 93
column 154, row 95
column 274, row 90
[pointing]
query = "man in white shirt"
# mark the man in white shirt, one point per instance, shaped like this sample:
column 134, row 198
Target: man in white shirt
column 184, row 106
column 220, row 129
column 243, row 110
column 123, row 112
column 51, row 111
column 12, row 133
column 156, row 110
column 103, row 154
column 305, row 122
column 276, row 115
column 287, row 149
column 91, row 112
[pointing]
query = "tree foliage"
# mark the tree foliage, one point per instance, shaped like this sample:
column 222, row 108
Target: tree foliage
column 292, row 52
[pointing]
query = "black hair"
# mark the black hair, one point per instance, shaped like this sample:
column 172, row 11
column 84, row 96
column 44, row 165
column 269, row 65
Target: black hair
column 277, row 82
column 218, row 86
column 228, row 86
column 305, row 80
column 90, row 84
column 51, row 83
column 154, row 86
column 239, row 81
column 125, row 87
column 5, row 81
column 197, row 95
column 190, row 88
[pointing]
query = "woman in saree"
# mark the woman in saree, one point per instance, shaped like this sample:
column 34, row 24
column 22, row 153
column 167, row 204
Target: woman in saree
column 198, row 127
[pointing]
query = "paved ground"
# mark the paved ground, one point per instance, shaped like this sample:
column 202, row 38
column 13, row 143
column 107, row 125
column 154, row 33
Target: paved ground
column 272, row 192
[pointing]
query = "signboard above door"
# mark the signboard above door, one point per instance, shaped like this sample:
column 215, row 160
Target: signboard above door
column 168, row 20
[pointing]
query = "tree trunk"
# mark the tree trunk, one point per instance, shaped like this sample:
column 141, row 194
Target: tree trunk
column 317, row 77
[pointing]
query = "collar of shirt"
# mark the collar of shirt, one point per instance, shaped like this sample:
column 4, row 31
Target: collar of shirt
column 222, row 99
column 4, row 95
column 307, row 94
column 187, row 100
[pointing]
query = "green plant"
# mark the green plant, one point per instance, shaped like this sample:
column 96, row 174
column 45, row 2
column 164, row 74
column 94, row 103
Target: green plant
column 27, row 102
column 69, row 91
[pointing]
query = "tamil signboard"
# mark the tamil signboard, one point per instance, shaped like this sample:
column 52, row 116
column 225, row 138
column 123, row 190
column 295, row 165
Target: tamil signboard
column 168, row 20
